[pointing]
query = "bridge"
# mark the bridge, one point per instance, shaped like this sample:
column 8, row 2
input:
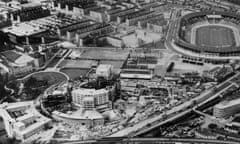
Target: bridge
column 176, row 112
column 124, row 140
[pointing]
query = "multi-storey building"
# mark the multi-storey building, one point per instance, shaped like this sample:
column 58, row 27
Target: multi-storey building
column 155, row 23
column 70, row 32
column 22, row 120
column 75, row 7
column 98, row 14
column 100, row 96
column 29, row 12
column 226, row 108
column 89, row 118
column 104, row 71
column 91, row 31
column 147, row 5
column 133, row 19
column 43, row 30
column 115, row 13
column 88, row 103
column 17, row 63
column 136, row 74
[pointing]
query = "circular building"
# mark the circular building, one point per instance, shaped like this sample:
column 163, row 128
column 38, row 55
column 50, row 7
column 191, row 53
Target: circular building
column 82, row 104
column 96, row 95
column 208, row 35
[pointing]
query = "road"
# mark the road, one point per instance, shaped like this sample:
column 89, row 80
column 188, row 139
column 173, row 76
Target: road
column 174, row 113
column 152, row 140
column 202, row 99
column 170, row 35
column 63, row 58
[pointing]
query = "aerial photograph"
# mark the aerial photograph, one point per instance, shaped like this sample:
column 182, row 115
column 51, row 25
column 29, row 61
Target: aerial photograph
column 119, row 71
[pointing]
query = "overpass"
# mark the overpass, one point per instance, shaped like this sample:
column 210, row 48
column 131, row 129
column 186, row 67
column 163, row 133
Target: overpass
column 176, row 112
column 123, row 140
column 200, row 101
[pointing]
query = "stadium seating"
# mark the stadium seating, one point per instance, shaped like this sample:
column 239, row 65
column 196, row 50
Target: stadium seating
column 199, row 18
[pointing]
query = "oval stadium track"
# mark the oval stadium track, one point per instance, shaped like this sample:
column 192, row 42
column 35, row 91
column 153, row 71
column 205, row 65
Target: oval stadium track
column 230, row 49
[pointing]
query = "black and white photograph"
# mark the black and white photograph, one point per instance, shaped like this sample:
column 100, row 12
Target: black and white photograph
column 119, row 71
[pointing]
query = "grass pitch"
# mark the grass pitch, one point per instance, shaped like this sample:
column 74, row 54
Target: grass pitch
column 215, row 36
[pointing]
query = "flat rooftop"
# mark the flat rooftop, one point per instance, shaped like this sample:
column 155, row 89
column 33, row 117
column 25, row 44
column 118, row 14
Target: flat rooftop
column 23, row 29
column 226, row 104
column 99, row 9
column 31, row 4
column 41, row 25
column 10, row 106
column 19, row 111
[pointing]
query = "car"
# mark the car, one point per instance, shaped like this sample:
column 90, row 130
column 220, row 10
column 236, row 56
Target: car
column 149, row 124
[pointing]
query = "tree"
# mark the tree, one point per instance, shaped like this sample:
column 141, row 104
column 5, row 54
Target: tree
column 212, row 126
column 30, row 82
column 6, row 1
column 3, row 82
column 235, row 1
column 4, row 39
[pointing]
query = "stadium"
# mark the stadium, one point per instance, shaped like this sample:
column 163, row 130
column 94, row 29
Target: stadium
column 208, row 35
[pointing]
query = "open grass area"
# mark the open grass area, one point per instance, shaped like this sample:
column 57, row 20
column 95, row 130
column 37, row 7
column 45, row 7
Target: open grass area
column 84, row 64
column 215, row 36
column 34, row 85
column 105, row 54
column 54, row 62
column 51, row 77
column 74, row 73
column 11, row 55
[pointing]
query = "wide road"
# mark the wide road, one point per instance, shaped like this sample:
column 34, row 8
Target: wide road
column 175, row 112
column 175, row 116
column 185, row 140
column 152, row 140
column 170, row 35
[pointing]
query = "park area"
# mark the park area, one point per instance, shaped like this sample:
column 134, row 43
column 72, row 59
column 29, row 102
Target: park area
column 31, row 86
column 50, row 77
column 215, row 36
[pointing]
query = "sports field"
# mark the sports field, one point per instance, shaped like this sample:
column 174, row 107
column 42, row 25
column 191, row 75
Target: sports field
column 215, row 36
column 105, row 54
column 82, row 64
column 74, row 72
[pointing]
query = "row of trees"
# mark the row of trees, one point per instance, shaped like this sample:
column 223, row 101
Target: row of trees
column 235, row 1
column 3, row 92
